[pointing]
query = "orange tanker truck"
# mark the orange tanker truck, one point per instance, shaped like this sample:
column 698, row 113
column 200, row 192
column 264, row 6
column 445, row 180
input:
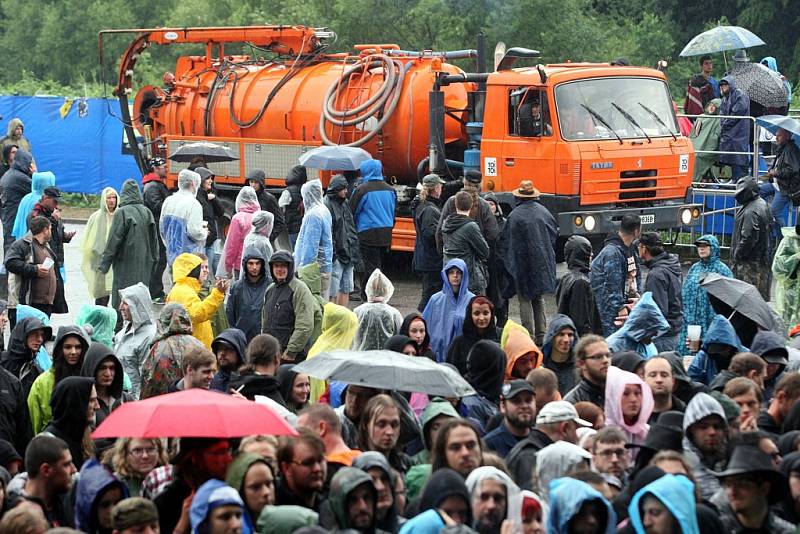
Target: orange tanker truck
column 597, row 140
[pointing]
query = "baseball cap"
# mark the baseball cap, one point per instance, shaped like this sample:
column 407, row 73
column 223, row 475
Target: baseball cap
column 515, row 387
column 559, row 411
column 431, row 180
column 778, row 355
column 651, row 239
column 52, row 192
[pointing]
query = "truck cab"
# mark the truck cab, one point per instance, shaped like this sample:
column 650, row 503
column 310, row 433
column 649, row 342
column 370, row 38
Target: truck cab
column 597, row 140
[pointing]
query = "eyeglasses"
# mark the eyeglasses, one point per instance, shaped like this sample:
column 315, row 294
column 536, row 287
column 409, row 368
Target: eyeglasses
column 308, row 463
column 602, row 356
column 612, row 452
column 141, row 451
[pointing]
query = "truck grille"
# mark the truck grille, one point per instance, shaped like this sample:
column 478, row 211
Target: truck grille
column 637, row 184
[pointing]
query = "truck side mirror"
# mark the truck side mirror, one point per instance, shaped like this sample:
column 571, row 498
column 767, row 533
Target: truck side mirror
column 526, row 125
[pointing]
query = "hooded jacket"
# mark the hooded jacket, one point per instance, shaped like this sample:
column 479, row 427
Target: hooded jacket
column 442, row 484
column 518, row 345
column 314, row 241
column 241, row 224
column 14, row 185
column 529, row 237
column 378, row 320
column 786, row 170
column 565, row 371
column 94, row 244
column 288, row 310
column 664, row 281
column 567, row 495
column 163, row 365
column 343, row 483
column 262, row 227
column 426, row 213
column 339, row 326
column 705, row 136
column 311, row 276
column 784, row 269
column 238, row 469
column 39, row 181
column 236, row 339
column 485, row 368
column 15, row 423
column 42, row 388
column 462, row 238
column 246, row 298
column 69, row 404
column 373, row 204
column 478, row 475
column 751, row 226
column 676, row 493
column 435, row 408
column 212, row 207
column 644, row 323
column 343, row 230
column 181, row 222
column 95, row 479
column 208, row 496
column 376, row 460
column 701, row 406
column 287, row 519
column 10, row 139
column 18, row 359
column 735, row 133
column 154, row 193
column 616, row 382
column 132, row 246
column 424, row 348
column 96, row 355
column 294, row 204
column 268, row 202
column 133, row 341
column 460, row 346
column 608, row 275
column 185, row 291
column 574, row 294
column 696, row 306
column 720, row 331
column 445, row 311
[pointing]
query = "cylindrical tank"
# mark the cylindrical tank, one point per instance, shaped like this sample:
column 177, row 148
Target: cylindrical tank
column 294, row 112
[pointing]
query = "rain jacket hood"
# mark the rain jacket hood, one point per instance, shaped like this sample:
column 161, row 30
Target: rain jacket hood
column 558, row 323
column 70, row 330
column 766, row 341
column 263, row 222
column 22, row 161
column 102, row 320
column 444, row 313
column 286, row 377
column 627, row 360
column 471, row 331
column 284, row 257
column 372, row 169
column 486, row 364
column 18, row 351
column 94, row 480
column 477, row 476
column 378, row 320
column 645, row 322
column 236, row 339
column 406, row 326
column 286, row 519
column 567, row 495
column 96, row 355
column 677, row 494
column 721, row 331
column 13, row 123
column 434, row 409
column 189, row 181
column 130, row 194
column 39, row 182
column 379, row 287
column 247, row 200
column 343, row 483
column 557, row 460
column 210, row 495
column 297, row 175
column 312, row 194
column 183, row 265
column 69, row 404
column 239, row 468
column 746, row 190
column 577, row 252
column 518, row 345
column 339, row 326
column 138, row 299
column 253, row 253
column 616, row 381
column 94, row 244
column 442, row 484
column 398, row 342
column 337, row 183
column 174, row 320
column 702, row 405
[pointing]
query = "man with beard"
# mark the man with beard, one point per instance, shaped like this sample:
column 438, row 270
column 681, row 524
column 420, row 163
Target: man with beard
column 494, row 494
column 705, row 441
column 302, row 464
column 229, row 347
column 592, row 358
column 352, row 501
column 48, row 462
column 559, row 356
column 458, row 446
column 658, row 375
column 609, row 455
column 246, row 297
column 518, row 406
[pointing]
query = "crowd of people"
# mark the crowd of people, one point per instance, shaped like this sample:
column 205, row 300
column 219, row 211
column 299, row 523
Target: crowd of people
column 612, row 415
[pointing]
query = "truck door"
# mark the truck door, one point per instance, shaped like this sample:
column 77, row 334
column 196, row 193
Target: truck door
column 529, row 145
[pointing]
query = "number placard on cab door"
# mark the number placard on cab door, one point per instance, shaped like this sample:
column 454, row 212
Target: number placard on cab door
column 490, row 166
column 683, row 165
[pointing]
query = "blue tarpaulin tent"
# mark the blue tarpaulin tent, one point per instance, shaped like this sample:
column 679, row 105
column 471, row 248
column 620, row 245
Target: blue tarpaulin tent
column 83, row 149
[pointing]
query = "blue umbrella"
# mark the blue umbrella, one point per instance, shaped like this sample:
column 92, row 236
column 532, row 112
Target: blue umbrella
column 773, row 122
column 335, row 158
column 720, row 39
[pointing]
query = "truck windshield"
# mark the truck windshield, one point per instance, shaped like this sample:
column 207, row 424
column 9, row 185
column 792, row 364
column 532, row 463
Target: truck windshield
column 616, row 101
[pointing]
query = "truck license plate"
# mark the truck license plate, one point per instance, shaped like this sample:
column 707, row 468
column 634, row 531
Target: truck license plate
column 648, row 219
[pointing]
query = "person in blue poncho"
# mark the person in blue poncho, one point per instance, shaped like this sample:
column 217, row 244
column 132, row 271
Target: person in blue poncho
column 643, row 325
column 720, row 344
column 96, row 492
column 39, row 182
column 576, row 506
column 665, row 505
column 445, row 310
column 217, row 507
column 697, row 309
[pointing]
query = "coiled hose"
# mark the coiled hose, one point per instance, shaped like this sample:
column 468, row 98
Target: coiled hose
column 394, row 74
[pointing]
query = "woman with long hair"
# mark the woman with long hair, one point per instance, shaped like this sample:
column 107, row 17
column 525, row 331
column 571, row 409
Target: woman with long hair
column 132, row 459
column 379, row 430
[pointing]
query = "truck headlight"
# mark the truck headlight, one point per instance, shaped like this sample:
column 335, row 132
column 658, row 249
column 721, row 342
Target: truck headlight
column 589, row 223
column 686, row 216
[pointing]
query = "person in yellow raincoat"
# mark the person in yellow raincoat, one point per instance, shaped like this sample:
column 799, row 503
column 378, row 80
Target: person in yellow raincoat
column 94, row 243
column 339, row 326
column 189, row 271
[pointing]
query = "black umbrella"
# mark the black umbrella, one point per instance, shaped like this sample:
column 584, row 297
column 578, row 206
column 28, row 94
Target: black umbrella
column 732, row 297
column 761, row 84
column 210, row 152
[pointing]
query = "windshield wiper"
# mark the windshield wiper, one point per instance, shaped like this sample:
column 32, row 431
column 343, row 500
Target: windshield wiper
column 605, row 123
column 631, row 120
column 656, row 117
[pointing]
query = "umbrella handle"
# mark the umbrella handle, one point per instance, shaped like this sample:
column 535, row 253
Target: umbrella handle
column 731, row 315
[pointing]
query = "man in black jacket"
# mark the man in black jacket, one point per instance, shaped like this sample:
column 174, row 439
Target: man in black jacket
column 15, row 184
column 574, row 294
column 427, row 260
column 15, row 423
column 665, row 281
column 750, row 257
column 154, row 192
column 593, row 358
column 212, row 209
column 346, row 252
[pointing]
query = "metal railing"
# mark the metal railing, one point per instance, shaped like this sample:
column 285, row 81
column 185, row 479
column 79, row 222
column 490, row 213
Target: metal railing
column 753, row 154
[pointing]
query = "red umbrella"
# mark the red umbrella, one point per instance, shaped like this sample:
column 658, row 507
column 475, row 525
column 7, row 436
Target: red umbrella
column 194, row 413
